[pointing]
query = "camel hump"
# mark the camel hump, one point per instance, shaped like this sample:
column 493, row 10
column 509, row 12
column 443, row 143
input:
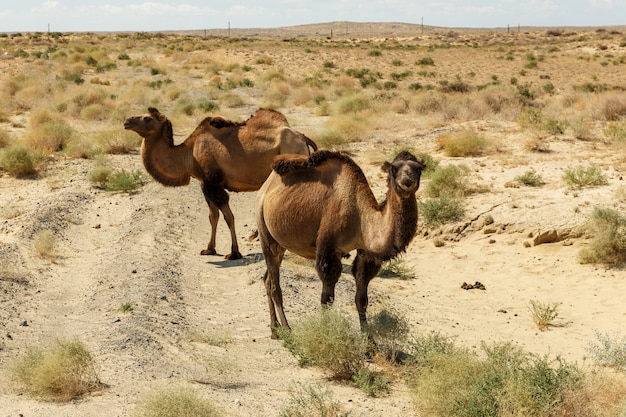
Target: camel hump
column 218, row 122
column 285, row 164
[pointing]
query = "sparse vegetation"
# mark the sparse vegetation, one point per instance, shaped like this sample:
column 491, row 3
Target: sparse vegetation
column 544, row 314
column 463, row 143
column 309, row 401
column 607, row 229
column 608, row 350
column 584, row 176
column 45, row 244
column 439, row 210
column 176, row 401
column 60, row 371
column 530, row 178
column 328, row 340
column 508, row 381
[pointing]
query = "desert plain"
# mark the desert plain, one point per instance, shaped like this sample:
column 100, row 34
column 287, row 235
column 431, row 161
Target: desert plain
column 545, row 100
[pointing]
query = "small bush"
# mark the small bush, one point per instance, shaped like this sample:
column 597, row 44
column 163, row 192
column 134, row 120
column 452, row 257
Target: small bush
column 18, row 161
column 389, row 331
column 328, row 340
column 125, row 181
column 440, row 210
column 508, row 382
column 396, row 268
column 176, row 402
column 608, row 232
column 45, row 244
column 311, row 401
column 374, row 384
column 449, row 180
column 463, row 143
column 580, row 176
column 100, row 175
column 530, row 178
column 544, row 314
column 352, row 104
column 5, row 138
column 608, row 350
column 425, row 61
column 61, row 371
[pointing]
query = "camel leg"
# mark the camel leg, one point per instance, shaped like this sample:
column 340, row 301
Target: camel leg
column 230, row 221
column 273, row 254
column 363, row 270
column 214, row 216
column 217, row 199
column 328, row 266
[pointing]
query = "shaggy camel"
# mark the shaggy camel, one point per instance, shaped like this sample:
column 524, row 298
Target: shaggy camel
column 321, row 207
column 221, row 154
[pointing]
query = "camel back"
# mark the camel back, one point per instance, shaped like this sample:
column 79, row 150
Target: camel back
column 284, row 165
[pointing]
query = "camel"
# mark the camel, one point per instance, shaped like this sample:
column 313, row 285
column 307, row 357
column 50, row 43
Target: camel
column 221, row 154
column 321, row 207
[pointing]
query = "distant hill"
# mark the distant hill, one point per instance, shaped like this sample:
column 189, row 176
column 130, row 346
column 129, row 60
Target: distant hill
column 367, row 29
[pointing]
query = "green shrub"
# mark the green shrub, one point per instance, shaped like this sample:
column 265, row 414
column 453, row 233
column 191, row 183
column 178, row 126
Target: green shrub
column 463, row 143
column 581, row 176
column 328, row 340
column 508, row 382
column 176, row 402
column 607, row 228
column 18, row 161
column 389, row 330
column 440, row 210
column 125, row 181
column 61, row 371
column 396, row 268
column 448, row 180
column 530, row 178
column 425, row 61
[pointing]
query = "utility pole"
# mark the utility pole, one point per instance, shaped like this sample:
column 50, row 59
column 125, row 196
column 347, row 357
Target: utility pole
column 422, row 25
column 229, row 28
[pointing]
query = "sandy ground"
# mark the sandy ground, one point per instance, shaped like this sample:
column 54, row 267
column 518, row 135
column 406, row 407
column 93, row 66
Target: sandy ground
column 144, row 248
column 203, row 321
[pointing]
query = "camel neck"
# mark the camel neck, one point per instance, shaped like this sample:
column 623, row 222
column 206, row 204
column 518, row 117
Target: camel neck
column 393, row 228
column 165, row 162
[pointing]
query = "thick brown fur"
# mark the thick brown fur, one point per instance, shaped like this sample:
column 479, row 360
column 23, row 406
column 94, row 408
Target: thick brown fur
column 221, row 154
column 321, row 207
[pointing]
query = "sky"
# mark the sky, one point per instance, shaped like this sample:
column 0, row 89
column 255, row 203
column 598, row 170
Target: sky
column 165, row 15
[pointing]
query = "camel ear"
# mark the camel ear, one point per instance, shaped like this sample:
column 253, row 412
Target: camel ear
column 385, row 166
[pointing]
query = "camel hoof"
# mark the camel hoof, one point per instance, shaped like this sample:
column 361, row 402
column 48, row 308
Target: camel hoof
column 208, row 252
column 234, row 255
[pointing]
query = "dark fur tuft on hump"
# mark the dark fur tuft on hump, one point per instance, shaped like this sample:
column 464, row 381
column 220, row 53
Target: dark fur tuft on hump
column 284, row 166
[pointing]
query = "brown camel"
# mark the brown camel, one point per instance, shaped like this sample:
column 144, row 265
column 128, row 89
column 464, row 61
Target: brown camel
column 321, row 207
column 221, row 154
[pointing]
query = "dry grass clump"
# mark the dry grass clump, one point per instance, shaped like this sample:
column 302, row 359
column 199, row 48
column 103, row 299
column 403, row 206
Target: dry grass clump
column 176, row 402
column 19, row 161
column 45, row 244
column 60, row 371
column 607, row 229
column 48, row 133
column 343, row 129
column 312, row 401
column 463, row 143
column 544, row 314
column 507, row 382
column 328, row 340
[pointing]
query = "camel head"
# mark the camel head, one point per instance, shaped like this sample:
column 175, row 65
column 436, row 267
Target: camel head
column 404, row 174
column 152, row 124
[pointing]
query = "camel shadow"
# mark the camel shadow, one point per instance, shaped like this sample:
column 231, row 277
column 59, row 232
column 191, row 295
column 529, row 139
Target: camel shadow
column 249, row 259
